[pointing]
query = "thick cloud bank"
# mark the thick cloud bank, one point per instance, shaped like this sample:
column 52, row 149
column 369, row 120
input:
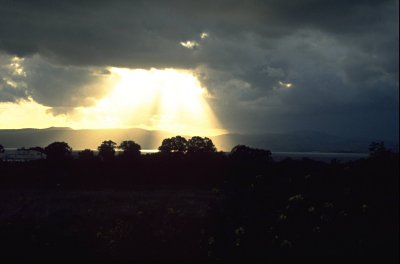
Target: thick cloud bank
column 269, row 65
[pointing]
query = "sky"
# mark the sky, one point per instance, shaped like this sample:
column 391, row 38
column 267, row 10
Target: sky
column 202, row 67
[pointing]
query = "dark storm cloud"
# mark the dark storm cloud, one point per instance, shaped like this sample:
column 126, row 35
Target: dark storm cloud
column 8, row 93
column 340, row 56
column 147, row 33
column 336, row 87
column 62, row 86
column 130, row 34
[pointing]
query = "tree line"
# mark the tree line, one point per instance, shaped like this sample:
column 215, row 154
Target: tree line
column 177, row 146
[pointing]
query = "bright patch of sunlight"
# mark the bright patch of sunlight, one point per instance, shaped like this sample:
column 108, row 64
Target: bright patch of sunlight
column 286, row 85
column 204, row 35
column 169, row 100
column 16, row 66
column 190, row 44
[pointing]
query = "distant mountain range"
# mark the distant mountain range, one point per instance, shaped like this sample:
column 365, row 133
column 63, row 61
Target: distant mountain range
column 91, row 138
column 304, row 141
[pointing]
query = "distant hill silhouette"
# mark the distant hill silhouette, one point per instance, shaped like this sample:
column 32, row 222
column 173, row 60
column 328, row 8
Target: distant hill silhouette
column 301, row 141
column 92, row 138
column 79, row 139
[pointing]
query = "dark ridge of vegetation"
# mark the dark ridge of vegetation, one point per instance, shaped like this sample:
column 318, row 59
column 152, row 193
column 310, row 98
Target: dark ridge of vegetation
column 198, row 205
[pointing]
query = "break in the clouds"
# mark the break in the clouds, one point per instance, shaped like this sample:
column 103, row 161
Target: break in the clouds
column 268, row 65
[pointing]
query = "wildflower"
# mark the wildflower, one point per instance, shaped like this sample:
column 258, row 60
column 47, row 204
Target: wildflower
column 282, row 217
column 286, row 243
column 216, row 190
column 240, row 231
column 211, row 241
column 316, row 229
column 238, row 242
column 297, row 197
column 364, row 208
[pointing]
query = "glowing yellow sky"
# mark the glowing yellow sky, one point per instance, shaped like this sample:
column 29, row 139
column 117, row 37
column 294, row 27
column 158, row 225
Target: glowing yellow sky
column 169, row 100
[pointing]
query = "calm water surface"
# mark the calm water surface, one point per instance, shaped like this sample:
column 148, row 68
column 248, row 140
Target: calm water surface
column 276, row 155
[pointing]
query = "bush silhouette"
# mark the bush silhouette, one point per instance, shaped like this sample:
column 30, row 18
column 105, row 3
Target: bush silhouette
column 86, row 154
column 39, row 149
column 107, row 150
column 58, row 151
column 200, row 145
column 130, row 149
column 245, row 153
column 1, row 151
column 176, row 144
column 378, row 150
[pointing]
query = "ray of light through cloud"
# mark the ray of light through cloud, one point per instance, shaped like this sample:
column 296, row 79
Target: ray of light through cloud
column 266, row 66
column 168, row 100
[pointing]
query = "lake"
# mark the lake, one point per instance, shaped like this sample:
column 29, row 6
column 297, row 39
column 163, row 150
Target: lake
column 276, row 155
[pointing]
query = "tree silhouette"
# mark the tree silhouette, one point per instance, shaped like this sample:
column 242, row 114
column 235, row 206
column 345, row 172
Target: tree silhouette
column 1, row 151
column 130, row 149
column 245, row 153
column 86, row 154
column 378, row 150
column 39, row 149
column 200, row 145
column 107, row 150
column 58, row 151
column 176, row 144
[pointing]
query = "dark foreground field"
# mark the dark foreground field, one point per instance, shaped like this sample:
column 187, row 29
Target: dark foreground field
column 249, row 211
column 167, row 223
